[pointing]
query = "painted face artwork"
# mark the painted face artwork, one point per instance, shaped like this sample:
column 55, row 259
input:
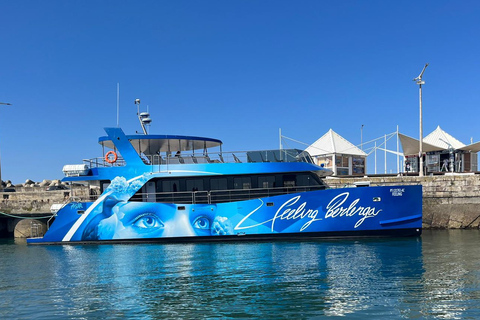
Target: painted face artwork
column 115, row 218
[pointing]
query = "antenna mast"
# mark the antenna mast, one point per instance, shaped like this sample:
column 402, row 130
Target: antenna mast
column 118, row 104
column 143, row 117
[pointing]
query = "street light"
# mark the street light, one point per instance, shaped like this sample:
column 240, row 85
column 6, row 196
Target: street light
column 361, row 137
column 1, row 188
column 419, row 81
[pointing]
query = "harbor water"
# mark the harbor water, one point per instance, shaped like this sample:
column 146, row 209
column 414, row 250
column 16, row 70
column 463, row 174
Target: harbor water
column 436, row 276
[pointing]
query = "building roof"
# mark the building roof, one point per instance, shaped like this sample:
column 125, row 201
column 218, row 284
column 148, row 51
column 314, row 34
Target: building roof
column 437, row 140
column 411, row 145
column 440, row 138
column 333, row 143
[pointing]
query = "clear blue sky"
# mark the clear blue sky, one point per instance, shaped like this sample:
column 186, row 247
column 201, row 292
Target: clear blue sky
column 233, row 70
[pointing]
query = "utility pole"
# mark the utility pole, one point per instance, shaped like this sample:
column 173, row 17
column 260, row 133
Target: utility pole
column 419, row 81
column 1, row 188
column 361, row 137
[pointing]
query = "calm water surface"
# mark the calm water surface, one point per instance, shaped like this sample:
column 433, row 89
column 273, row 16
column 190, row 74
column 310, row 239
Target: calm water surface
column 436, row 276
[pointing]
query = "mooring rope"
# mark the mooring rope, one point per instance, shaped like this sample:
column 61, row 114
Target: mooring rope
column 20, row 217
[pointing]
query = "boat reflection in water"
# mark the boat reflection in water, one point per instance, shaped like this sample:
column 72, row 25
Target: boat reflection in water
column 432, row 277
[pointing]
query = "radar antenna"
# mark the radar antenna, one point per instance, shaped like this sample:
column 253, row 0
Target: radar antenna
column 143, row 117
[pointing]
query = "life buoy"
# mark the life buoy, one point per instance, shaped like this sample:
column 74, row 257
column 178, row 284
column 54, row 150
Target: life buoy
column 107, row 157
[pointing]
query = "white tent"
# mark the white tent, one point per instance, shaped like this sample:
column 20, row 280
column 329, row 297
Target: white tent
column 336, row 153
column 440, row 138
column 437, row 140
column 333, row 143
column 411, row 146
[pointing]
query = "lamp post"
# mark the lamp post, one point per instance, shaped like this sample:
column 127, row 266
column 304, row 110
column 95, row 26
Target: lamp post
column 361, row 137
column 419, row 81
column 1, row 188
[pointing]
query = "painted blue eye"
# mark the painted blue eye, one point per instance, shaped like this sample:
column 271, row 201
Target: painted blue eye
column 148, row 221
column 202, row 223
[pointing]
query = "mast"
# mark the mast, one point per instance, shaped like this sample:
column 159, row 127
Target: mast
column 143, row 117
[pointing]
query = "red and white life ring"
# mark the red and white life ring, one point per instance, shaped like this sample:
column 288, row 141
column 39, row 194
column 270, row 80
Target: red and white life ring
column 111, row 160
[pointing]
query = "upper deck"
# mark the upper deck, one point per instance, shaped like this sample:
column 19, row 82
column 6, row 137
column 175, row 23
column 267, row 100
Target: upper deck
column 135, row 154
column 266, row 156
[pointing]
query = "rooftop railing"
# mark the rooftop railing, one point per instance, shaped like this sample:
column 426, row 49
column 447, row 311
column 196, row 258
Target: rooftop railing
column 285, row 155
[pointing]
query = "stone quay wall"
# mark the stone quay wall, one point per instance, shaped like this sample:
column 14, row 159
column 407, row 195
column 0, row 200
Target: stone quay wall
column 37, row 200
column 25, row 212
column 449, row 201
column 28, row 200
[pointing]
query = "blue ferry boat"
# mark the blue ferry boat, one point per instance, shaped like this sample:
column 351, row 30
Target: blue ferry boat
column 169, row 188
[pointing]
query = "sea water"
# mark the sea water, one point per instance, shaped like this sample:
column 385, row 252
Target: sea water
column 436, row 276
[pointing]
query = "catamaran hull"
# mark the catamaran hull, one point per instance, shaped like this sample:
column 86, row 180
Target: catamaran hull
column 388, row 211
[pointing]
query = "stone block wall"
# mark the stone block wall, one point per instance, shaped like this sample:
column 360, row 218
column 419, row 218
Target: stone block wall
column 449, row 201
column 32, row 200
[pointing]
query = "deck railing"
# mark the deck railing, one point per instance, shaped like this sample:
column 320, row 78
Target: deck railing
column 285, row 155
column 218, row 196
column 214, row 196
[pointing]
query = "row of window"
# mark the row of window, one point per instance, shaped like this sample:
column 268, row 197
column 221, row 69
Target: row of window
column 225, row 188
column 236, row 182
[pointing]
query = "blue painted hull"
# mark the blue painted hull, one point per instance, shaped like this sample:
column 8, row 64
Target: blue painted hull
column 367, row 211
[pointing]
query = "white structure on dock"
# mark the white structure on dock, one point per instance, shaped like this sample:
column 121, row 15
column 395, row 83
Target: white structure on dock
column 334, row 152
column 442, row 153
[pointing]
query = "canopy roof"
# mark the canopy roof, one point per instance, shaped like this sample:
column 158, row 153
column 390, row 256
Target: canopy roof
column 411, row 146
column 333, row 143
column 440, row 138
column 474, row 147
column 437, row 140
column 154, row 144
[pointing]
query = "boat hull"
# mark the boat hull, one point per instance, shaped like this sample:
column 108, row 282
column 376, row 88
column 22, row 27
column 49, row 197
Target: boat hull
column 387, row 211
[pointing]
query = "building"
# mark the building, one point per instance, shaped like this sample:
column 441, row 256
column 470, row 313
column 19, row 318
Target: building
column 334, row 152
column 442, row 153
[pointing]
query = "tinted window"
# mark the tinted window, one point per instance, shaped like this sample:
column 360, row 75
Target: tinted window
column 218, row 184
column 266, row 182
column 170, row 186
column 289, row 180
column 194, row 185
column 306, row 180
column 242, row 183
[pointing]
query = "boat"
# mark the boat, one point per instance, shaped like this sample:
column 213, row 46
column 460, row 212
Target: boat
column 172, row 188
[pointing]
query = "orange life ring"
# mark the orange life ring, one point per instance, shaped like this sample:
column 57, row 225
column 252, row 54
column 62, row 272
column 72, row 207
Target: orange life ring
column 107, row 157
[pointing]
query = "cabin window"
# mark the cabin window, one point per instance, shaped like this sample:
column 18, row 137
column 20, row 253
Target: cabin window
column 289, row 181
column 170, row 186
column 194, row 185
column 104, row 185
column 305, row 180
column 218, row 184
column 266, row 182
column 242, row 183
